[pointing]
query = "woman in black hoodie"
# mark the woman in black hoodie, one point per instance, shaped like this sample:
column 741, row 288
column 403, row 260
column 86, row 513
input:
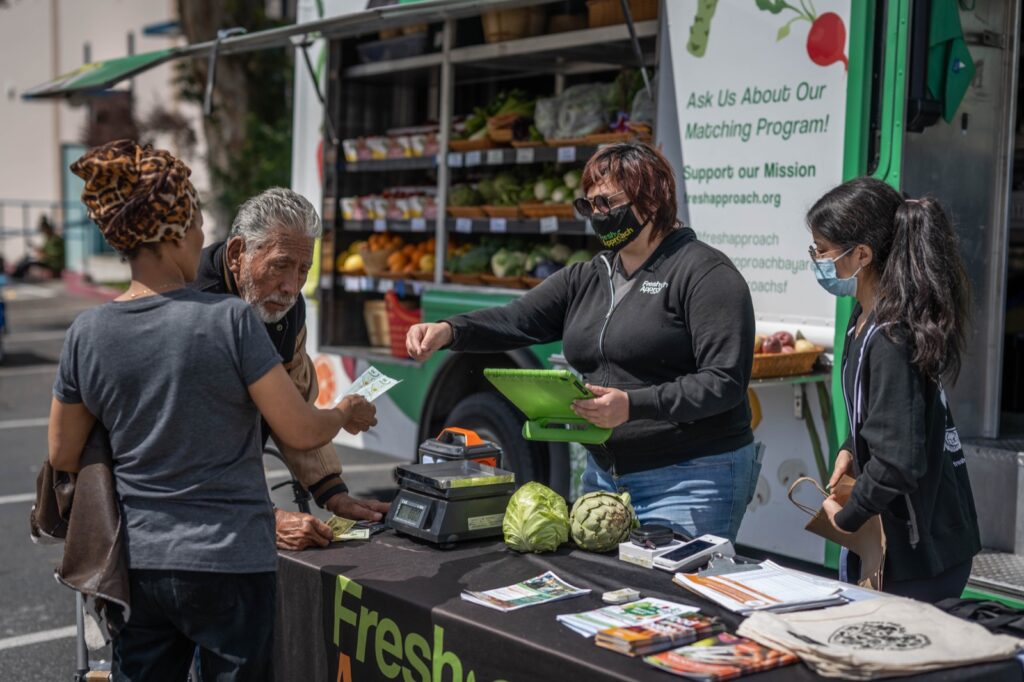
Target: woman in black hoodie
column 661, row 326
column 899, row 257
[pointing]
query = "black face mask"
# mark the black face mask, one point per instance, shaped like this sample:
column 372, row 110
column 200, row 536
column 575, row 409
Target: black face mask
column 617, row 227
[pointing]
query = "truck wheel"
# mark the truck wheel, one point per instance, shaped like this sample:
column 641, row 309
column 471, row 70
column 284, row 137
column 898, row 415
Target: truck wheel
column 495, row 420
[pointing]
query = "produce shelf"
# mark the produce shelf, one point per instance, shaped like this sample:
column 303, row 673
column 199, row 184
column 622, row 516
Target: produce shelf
column 375, row 285
column 578, row 51
column 507, row 156
column 416, row 225
column 425, row 226
column 518, row 226
column 384, row 165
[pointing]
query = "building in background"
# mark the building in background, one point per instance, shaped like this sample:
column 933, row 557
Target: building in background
column 41, row 39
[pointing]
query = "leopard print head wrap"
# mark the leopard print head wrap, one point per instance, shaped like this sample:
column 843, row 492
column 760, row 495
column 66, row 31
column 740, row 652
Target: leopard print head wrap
column 136, row 194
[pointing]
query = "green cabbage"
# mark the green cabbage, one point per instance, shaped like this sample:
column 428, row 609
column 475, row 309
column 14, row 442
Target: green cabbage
column 536, row 519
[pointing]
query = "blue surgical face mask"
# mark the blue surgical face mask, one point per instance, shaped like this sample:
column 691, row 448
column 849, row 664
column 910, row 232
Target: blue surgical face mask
column 825, row 271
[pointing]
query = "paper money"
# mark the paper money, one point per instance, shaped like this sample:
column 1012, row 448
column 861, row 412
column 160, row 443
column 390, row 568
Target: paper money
column 371, row 384
column 340, row 526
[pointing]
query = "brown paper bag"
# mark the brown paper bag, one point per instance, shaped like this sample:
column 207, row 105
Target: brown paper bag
column 868, row 542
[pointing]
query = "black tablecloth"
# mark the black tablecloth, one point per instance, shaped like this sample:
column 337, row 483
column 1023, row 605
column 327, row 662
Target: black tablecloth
column 402, row 596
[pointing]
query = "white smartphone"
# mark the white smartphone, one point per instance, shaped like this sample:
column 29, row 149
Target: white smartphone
column 694, row 553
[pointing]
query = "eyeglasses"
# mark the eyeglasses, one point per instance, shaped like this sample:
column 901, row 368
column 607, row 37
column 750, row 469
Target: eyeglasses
column 601, row 203
column 813, row 252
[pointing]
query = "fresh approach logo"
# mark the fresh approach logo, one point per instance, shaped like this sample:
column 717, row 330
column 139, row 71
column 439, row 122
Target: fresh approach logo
column 409, row 656
column 652, row 288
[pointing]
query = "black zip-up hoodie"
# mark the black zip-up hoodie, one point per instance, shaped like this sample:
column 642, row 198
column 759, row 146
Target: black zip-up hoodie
column 680, row 343
column 909, row 462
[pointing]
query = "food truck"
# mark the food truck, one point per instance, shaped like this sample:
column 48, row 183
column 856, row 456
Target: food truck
column 443, row 140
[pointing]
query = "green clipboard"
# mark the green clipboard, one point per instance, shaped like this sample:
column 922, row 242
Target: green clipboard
column 545, row 396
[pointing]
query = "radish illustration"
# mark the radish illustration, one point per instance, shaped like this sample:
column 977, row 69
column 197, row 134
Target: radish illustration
column 826, row 39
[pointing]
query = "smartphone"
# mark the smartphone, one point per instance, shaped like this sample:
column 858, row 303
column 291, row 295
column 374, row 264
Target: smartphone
column 694, row 553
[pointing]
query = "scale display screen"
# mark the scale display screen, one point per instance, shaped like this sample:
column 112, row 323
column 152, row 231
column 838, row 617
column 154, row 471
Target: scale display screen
column 410, row 514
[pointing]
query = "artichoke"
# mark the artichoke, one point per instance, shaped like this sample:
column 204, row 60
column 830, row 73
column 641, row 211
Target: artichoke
column 536, row 519
column 599, row 521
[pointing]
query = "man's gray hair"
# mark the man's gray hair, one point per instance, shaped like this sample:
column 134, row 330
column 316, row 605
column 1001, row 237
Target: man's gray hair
column 273, row 209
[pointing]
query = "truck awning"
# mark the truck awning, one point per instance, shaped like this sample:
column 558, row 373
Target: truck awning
column 99, row 75
column 103, row 75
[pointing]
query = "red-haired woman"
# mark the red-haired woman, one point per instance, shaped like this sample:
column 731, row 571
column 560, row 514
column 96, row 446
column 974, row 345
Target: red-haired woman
column 661, row 327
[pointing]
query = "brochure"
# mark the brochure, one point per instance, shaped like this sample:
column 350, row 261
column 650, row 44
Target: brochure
column 371, row 384
column 722, row 657
column 667, row 633
column 768, row 587
column 540, row 590
column 639, row 612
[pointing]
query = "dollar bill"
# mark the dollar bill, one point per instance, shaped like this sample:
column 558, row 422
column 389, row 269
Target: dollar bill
column 371, row 384
column 340, row 526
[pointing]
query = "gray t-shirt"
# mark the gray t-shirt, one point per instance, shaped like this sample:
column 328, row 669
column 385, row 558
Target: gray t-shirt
column 168, row 377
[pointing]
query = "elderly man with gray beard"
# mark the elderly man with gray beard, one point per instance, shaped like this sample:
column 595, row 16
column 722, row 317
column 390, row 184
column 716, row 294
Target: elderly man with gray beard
column 265, row 260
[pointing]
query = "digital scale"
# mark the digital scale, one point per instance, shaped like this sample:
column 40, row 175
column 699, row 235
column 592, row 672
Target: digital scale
column 449, row 502
column 545, row 396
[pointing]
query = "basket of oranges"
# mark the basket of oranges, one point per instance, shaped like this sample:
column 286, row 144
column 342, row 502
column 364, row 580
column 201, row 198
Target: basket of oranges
column 377, row 250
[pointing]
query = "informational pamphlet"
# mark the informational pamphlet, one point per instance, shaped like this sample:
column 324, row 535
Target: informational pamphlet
column 667, row 633
column 769, row 587
column 540, row 590
column 723, row 657
column 371, row 384
column 639, row 612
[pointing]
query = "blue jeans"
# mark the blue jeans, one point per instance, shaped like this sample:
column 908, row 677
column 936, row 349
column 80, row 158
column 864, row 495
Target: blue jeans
column 699, row 496
column 228, row 616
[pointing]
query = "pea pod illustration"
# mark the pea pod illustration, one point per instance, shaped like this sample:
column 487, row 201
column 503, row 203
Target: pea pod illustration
column 700, row 30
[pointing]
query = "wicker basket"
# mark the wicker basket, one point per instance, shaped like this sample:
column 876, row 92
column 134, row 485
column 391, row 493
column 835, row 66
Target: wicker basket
column 375, row 313
column 468, row 279
column 501, row 211
column 512, row 24
column 612, row 138
column 400, row 318
column 609, row 12
column 540, row 210
column 504, row 282
column 375, row 262
column 530, row 282
column 471, row 145
column 561, row 23
column 769, row 365
column 566, row 142
column 466, row 212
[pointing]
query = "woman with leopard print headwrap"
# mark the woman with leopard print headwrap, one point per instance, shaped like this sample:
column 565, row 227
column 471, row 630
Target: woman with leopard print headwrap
column 179, row 378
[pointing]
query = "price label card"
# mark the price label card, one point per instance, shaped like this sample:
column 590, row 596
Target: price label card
column 352, row 283
column 495, row 157
column 455, row 160
column 364, row 284
column 473, row 159
column 325, row 282
column 525, row 155
column 418, row 224
column 499, row 225
column 566, row 154
column 380, row 225
column 464, row 225
column 548, row 225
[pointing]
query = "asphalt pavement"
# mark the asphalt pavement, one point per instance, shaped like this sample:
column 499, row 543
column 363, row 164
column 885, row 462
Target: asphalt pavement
column 37, row 635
